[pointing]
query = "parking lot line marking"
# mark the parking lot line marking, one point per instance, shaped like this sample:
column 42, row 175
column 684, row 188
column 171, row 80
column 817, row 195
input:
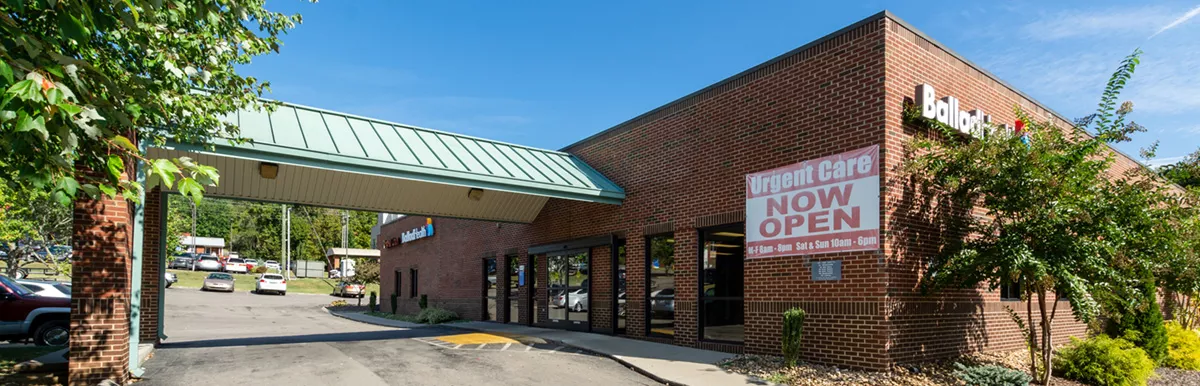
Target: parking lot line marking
column 557, row 348
column 457, row 346
column 481, row 346
column 527, row 348
column 506, row 346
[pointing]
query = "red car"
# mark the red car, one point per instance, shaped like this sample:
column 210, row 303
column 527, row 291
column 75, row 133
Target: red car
column 24, row 315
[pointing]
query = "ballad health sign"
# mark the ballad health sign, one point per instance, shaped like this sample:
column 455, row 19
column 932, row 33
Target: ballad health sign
column 828, row 204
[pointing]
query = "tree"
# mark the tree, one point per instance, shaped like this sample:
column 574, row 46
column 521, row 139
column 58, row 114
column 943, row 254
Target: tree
column 1050, row 225
column 86, row 82
column 30, row 221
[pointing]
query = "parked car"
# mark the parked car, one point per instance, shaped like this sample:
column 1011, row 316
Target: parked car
column 271, row 282
column 235, row 265
column 184, row 261
column 579, row 300
column 208, row 263
column 218, row 281
column 170, row 278
column 347, row 288
column 251, row 264
column 272, row 264
column 661, row 306
column 24, row 315
column 47, row 288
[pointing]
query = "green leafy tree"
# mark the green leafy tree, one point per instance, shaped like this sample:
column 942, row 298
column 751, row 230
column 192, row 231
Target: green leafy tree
column 1186, row 172
column 31, row 220
column 85, row 82
column 1049, row 225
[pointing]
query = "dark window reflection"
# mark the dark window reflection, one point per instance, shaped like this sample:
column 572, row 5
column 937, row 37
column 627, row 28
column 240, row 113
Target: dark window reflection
column 513, row 284
column 723, row 256
column 489, row 282
column 568, row 288
column 660, row 287
column 620, row 291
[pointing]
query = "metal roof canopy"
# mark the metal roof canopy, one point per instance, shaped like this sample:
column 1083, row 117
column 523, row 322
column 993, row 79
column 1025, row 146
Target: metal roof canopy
column 339, row 160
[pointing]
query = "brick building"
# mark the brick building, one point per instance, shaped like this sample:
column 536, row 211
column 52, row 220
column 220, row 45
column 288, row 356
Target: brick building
column 670, row 263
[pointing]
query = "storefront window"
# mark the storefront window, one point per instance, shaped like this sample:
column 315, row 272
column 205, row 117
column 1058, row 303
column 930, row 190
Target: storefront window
column 568, row 287
column 489, row 285
column 722, row 257
column 513, row 283
column 620, row 290
column 660, row 285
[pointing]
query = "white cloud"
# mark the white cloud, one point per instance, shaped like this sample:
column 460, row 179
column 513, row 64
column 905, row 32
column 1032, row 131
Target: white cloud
column 1180, row 20
column 1109, row 22
column 1164, row 161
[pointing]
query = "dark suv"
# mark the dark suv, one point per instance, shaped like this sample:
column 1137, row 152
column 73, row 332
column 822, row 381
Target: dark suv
column 23, row 315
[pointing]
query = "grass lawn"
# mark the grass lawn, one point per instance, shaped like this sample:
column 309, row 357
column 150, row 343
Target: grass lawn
column 11, row 356
column 245, row 282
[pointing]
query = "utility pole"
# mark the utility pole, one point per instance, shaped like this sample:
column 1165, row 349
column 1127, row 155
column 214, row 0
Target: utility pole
column 193, row 225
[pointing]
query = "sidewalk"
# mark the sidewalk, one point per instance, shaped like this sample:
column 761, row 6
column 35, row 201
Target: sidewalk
column 675, row 365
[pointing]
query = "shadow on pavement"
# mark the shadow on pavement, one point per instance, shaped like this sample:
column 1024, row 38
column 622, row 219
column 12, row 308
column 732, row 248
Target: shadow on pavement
column 313, row 338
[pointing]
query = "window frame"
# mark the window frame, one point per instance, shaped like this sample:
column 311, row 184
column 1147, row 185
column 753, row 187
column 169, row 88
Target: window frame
column 1006, row 285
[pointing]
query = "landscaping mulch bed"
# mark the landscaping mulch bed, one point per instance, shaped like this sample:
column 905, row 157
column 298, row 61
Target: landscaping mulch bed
column 1173, row 377
column 348, row 308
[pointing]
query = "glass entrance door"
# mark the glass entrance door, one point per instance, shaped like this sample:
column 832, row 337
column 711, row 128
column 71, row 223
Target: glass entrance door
column 568, row 290
column 489, row 285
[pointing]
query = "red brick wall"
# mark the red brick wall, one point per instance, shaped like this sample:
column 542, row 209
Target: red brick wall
column 100, row 273
column 952, row 321
column 152, row 272
column 686, row 164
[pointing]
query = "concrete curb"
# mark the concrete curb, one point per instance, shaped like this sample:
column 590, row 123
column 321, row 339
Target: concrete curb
column 340, row 315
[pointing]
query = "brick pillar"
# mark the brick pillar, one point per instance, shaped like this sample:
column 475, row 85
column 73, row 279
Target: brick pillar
column 601, row 291
column 100, row 272
column 153, row 216
column 502, row 275
column 635, row 285
column 686, row 277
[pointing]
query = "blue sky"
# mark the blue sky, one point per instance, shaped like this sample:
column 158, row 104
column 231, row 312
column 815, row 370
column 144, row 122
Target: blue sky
column 547, row 74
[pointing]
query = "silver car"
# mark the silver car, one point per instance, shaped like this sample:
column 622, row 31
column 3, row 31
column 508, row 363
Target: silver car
column 208, row 263
column 218, row 281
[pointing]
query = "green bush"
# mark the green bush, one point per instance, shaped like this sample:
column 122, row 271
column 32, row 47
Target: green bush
column 1183, row 347
column 1104, row 361
column 793, row 331
column 991, row 375
column 372, row 303
column 1144, row 326
column 436, row 315
column 394, row 298
column 424, row 302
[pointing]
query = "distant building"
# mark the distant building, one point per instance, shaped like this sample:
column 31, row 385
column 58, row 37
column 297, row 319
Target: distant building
column 335, row 256
column 203, row 245
column 384, row 218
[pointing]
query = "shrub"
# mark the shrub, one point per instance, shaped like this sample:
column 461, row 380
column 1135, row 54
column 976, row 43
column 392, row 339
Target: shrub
column 793, row 331
column 394, row 298
column 424, row 302
column 372, row 303
column 436, row 315
column 1183, row 347
column 991, row 375
column 1104, row 361
column 1144, row 327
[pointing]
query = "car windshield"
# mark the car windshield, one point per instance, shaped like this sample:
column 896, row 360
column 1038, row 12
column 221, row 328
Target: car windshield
column 220, row 276
column 273, row 277
column 237, row 261
column 14, row 287
column 272, row 262
column 208, row 258
column 66, row 289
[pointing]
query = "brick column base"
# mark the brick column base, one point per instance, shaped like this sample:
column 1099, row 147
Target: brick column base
column 100, row 273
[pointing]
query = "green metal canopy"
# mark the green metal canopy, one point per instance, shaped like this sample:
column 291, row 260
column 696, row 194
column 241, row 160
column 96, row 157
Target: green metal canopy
column 345, row 161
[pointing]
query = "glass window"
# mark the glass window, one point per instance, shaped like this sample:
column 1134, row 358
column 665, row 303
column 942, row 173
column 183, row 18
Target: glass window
column 577, row 287
column 1010, row 291
column 557, row 287
column 412, row 283
column 722, row 258
column 396, row 285
column 513, row 283
column 620, row 290
column 490, row 285
column 660, row 285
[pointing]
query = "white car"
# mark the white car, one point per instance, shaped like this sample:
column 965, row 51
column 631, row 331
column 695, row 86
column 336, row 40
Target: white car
column 578, row 298
column 235, row 265
column 271, row 282
column 207, row 263
column 271, row 264
column 47, row 288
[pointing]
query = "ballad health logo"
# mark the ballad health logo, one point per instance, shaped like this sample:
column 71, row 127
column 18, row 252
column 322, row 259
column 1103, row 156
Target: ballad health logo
column 412, row 235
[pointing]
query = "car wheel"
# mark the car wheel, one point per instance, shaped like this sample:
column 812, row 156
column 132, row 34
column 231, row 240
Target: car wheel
column 578, row 307
column 168, row 284
column 284, row 293
column 52, row 333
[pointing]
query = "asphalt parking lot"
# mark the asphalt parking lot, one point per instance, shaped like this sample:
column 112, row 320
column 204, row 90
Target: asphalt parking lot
column 245, row 339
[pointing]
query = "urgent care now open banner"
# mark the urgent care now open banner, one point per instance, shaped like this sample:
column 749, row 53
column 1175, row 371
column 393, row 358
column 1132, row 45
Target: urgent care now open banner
column 828, row 204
